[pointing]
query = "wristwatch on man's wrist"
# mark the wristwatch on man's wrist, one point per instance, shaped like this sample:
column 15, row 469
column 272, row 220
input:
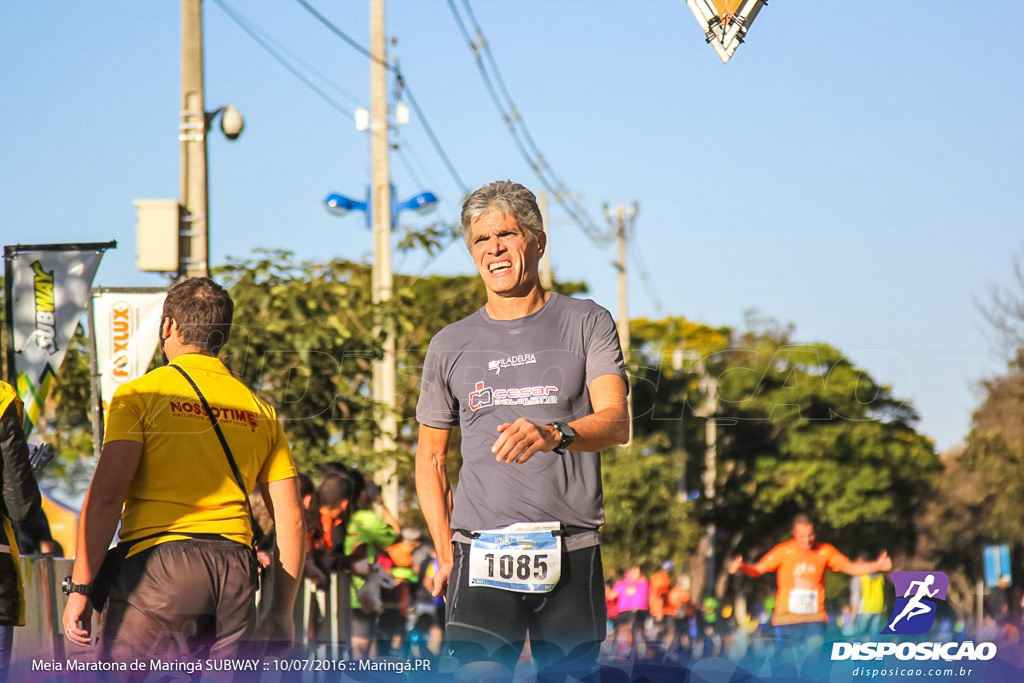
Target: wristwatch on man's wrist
column 69, row 587
column 567, row 433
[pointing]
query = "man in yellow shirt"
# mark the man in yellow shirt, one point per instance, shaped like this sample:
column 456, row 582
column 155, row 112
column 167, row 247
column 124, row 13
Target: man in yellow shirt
column 186, row 588
column 867, row 600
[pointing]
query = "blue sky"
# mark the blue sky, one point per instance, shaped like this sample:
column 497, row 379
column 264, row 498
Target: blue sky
column 851, row 171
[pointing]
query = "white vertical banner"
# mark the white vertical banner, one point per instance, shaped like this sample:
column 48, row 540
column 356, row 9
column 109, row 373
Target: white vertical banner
column 47, row 288
column 126, row 324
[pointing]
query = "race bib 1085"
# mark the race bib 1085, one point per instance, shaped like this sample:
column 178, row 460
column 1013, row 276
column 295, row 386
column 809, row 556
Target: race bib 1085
column 524, row 557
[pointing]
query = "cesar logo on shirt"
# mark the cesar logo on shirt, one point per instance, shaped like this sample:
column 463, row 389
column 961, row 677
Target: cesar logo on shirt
column 483, row 396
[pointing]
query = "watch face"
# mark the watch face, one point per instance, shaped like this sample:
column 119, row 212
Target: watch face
column 568, row 435
column 69, row 587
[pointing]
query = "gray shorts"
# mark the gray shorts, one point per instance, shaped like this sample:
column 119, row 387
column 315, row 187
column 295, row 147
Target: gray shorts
column 180, row 601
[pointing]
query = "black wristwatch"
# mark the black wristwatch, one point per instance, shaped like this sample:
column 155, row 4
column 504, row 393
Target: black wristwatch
column 69, row 587
column 567, row 433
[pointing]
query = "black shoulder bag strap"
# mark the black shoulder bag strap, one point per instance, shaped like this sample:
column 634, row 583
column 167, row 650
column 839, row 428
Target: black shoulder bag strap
column 224, row 445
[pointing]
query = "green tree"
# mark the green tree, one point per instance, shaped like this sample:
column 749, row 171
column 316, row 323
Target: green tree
column 979, row 497
column 798, row 427
column 804, row 429
column 648, row 521
column 303, row 338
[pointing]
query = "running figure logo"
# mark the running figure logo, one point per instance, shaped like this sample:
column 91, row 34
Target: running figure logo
column 914, row 613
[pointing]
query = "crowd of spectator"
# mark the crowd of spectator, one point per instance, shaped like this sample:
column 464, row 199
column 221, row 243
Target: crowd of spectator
column 655, row 618
column 388, row 567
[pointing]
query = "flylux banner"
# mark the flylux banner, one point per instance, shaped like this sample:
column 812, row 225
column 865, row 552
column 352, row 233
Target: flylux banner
column 46, row 289
column 125, row 325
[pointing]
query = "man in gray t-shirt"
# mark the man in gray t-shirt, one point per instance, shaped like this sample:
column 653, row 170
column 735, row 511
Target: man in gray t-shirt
column 535, row 381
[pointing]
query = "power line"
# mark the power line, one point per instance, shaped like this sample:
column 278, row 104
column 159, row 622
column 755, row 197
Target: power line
column 433, row 139
column 341, row 34
column 638, row 260
column 404, row 84
column 404, row 150
column 296, row 58
column 512, row 112
column 408, row 167
column 517, row 127
column 248, row 27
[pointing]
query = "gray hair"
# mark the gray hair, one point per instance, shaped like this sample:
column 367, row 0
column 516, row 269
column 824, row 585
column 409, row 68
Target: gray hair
column 507, row 197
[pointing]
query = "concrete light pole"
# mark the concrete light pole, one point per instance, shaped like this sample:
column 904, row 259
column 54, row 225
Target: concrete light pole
column 621, row 220
column 709, row 411
column 546, row 278
column 193, row 248
column 380, row 215
column 710, row 386
column 381, row 209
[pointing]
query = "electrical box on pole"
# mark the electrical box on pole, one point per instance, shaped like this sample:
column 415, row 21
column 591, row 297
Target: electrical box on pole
column 156, row 234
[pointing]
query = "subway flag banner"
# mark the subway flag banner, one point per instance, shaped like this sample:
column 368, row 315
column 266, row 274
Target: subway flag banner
column 125, row 332
column 46, row 289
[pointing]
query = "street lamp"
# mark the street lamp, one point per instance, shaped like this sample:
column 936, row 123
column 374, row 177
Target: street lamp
column 231, row 122
column 194, row 250
column 422, row 203
column 383, row 369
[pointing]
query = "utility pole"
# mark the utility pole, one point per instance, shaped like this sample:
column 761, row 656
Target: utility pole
column 193, row 246
column 546, row 278
column 709, row 411
column 621, row 220
column 380, row 214
column 710, row 386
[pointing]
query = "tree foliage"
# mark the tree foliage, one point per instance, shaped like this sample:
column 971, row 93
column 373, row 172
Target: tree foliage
column 804, row 429
column 797, row 427
column 648, row 521
column 1004, row 312
column 980, row 496
column 303, row 337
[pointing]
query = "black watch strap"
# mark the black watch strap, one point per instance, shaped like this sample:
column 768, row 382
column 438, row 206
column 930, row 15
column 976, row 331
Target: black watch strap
column 69, row 587
column 568, row 435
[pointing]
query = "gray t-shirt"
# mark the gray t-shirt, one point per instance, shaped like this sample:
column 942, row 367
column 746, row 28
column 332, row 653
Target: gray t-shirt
column 480, row 373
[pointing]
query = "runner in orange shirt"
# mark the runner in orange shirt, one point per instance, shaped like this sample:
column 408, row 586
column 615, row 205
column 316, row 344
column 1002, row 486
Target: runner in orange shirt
column 800, row 563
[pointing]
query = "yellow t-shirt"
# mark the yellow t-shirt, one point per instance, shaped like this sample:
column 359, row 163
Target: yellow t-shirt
column 872, row 593
column 184, row 482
